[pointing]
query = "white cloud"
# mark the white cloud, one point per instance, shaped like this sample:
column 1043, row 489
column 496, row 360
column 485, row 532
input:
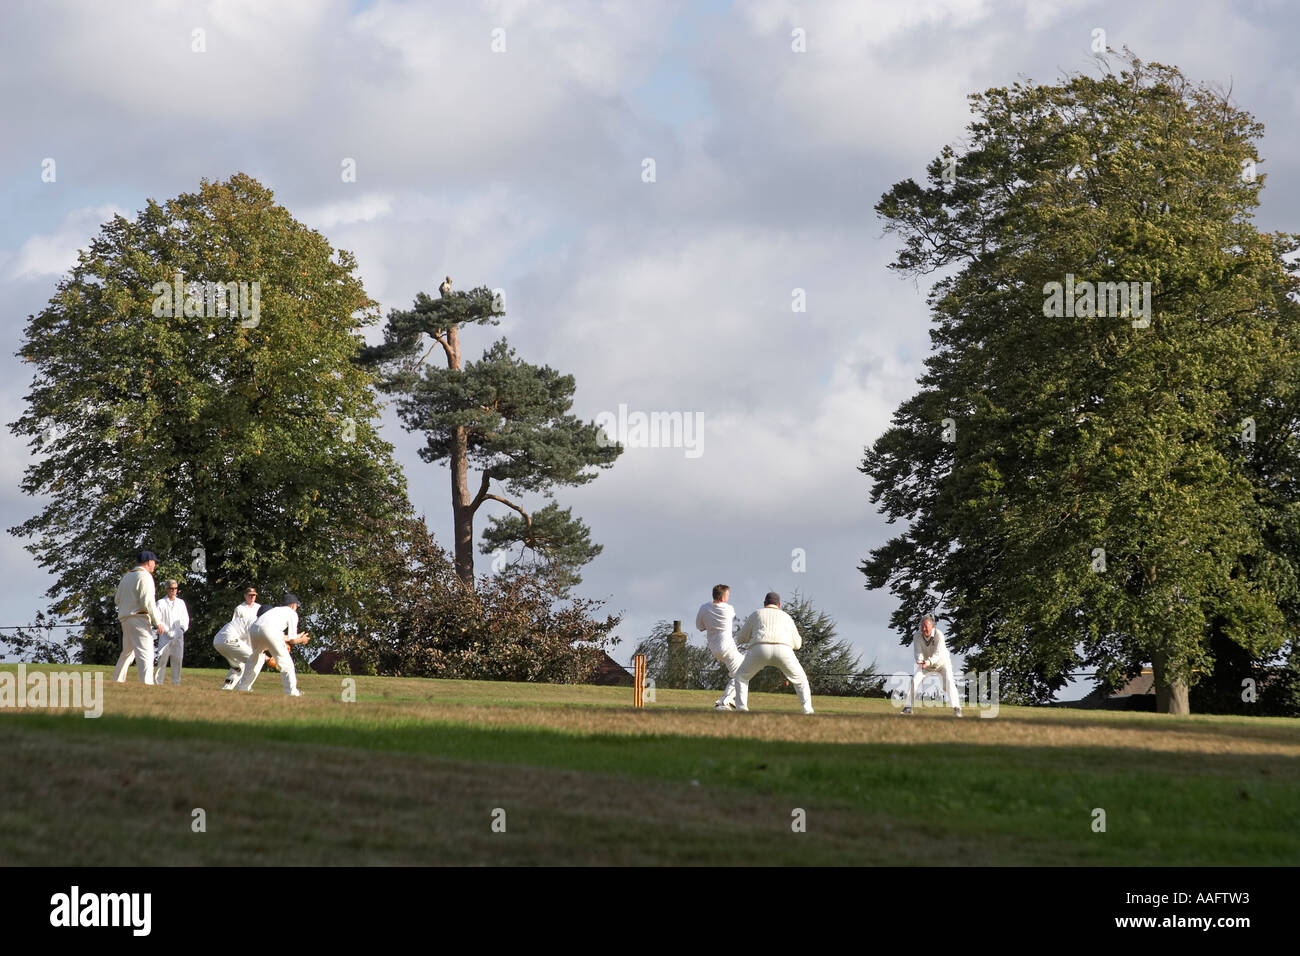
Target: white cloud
column 54, row 253
column 703, row 323
column 365, row 208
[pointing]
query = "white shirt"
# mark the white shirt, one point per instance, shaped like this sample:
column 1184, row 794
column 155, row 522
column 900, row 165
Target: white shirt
column 936, row 649
column 716, row 619
column 175, row 617
column 770, row 625
column 234, row 632
column 279, row 620
column 237, row 629
column 246, row 614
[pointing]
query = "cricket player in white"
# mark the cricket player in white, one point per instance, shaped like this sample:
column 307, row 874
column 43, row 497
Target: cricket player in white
column 176, row 619
column 772, row 638
column 274, row 631
column 232, row 641
column 931, row 652
column 137, row 611
column 715, row 619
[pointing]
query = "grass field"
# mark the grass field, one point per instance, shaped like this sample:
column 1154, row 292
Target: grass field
column 411, row 772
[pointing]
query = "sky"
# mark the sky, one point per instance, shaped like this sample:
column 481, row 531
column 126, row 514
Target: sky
column 505, row 144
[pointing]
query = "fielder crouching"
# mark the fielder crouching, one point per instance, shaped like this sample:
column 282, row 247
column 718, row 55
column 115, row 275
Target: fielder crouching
column 272, row 631
column 232, row 641
column 931, row 652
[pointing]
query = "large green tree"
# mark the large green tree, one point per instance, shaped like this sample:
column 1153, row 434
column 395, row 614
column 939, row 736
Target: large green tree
column 228, row 429
column 507, row 418
column 1096, row 486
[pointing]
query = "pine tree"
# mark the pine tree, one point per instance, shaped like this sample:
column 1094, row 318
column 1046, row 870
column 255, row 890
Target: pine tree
column 506, row 417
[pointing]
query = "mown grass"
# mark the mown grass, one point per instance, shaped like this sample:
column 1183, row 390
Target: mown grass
column 411, row 772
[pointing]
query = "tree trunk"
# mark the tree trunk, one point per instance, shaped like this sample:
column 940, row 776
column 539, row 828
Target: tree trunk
column 462, row 513
column 1171, row 694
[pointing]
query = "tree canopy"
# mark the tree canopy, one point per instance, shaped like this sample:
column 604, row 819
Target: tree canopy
column 196, row 392
column 1098, row 467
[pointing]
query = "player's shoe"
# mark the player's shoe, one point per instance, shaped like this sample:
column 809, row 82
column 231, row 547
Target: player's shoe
column 907, row 711
column 808, row 710
column 295, row 693
column 956, row 711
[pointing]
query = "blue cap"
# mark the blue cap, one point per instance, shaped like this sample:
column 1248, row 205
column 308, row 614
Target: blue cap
column 290, row 599
column 143, row 557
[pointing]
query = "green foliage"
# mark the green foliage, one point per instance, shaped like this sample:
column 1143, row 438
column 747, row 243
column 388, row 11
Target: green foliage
column 696, row 669
column 239, row 448
column 1274, row 681
column 550, row 536
column 505, row 417
column 421, row 620
column 436, row 318
column 1085, row 433
column 831, row 665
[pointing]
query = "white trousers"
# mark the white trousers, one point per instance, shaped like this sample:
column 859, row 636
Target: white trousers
column 724, row 650
column 263, row 640
column 175, row 651
column 945, row 674
column 236, row 650
column 781, row 657
column 137, row 643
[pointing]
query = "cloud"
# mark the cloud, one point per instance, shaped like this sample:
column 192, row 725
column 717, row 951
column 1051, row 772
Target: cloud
column 365, row 208
column 53, row 254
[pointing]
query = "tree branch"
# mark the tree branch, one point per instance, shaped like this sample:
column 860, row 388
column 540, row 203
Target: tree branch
column 510, row 504
column 483, row 496
column 482, row 491
column 446, row 347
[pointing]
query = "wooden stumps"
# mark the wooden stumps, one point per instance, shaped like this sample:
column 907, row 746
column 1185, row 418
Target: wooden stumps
column 638, row 680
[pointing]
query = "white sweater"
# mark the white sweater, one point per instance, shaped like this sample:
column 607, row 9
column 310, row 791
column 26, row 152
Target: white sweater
column 246, row 613
column 770, row 625
column 237, row 629
column 935, row 649
column 278, row 621
column 135, row 595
